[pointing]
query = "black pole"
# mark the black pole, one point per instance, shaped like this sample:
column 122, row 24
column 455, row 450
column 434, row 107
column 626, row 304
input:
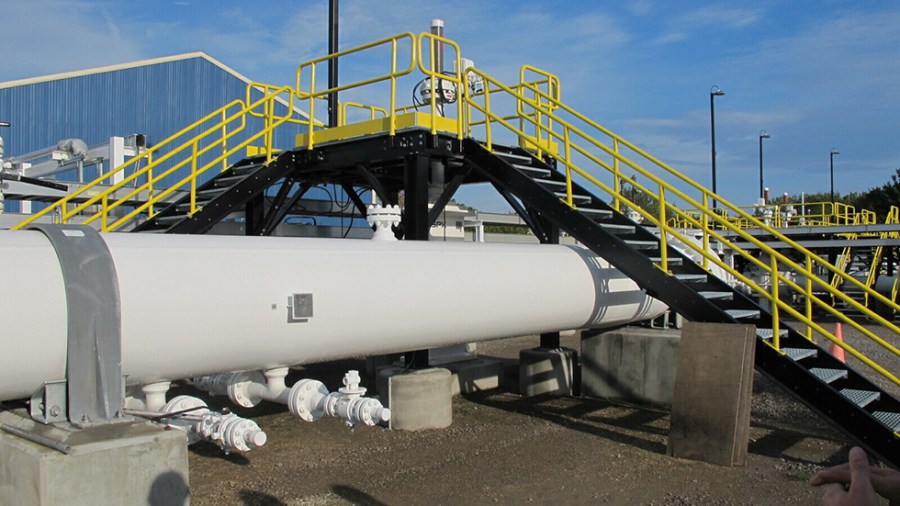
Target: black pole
column 712, row 128
column 332, row 63
column 762, row 135
column 760, row 168
column 831, row 164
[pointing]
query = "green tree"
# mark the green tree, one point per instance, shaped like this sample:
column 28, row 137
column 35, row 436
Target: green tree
column 881, row 199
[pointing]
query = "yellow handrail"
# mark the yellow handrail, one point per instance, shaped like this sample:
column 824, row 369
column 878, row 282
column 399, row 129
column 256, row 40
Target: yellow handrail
column 434, row 74
column 232, row 119
column 373, row 111
column 311, row 93
column 710, row 220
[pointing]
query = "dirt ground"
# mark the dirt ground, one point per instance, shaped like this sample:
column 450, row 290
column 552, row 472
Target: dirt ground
column 505, row 449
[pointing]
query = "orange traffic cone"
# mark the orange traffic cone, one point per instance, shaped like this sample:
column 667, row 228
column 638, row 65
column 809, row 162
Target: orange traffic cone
column 836, row 351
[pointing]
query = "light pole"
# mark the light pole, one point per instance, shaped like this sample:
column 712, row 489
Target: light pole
column 833, row 152
column 762, row 135
column 714, row 92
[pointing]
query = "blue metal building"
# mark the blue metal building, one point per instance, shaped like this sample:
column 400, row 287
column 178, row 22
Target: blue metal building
column 155, row 97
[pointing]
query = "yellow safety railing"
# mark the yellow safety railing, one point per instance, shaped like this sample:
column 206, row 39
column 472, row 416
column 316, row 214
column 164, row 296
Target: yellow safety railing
column 181, row 152
column 434, row 43
column 892, row 218
column 810, row 214
column 582, row 151
column 307, row 89
column 373, row 111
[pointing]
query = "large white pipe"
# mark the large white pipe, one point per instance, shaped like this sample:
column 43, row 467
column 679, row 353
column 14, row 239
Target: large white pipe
column 193, row 305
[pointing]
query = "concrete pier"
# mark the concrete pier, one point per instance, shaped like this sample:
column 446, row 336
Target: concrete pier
column 632, row 364
column 120, row 463
column 419, row 399
column 547, row 371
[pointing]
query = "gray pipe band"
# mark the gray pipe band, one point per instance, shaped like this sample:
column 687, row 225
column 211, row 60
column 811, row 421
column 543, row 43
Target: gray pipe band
column 94, row 349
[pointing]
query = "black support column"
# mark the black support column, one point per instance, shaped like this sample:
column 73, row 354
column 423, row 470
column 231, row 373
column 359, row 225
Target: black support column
column 415, row 224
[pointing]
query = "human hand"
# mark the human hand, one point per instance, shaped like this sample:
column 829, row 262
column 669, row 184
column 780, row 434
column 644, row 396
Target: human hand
column 863, row 482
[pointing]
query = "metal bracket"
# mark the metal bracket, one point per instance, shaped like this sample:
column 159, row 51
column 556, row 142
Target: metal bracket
column 95, row 389
column 48, row 404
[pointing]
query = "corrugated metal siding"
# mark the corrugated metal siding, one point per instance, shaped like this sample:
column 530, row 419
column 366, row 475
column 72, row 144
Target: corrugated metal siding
column 157, row 100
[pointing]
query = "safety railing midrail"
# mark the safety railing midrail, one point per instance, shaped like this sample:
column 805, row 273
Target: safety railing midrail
column 795, row 214
column 133, row 188
column 579, row 148
column 308, row 90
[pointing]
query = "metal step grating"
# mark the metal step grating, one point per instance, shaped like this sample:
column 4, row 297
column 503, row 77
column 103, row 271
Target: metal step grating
column 533, row 171
column 862, row 398
column 617, row 229
column 889, row 419
column 796, row 354
column 767, row 334
column 717, row 295
column 692, row 278
column 738, row 314
column 598, row 213
column 829, row 375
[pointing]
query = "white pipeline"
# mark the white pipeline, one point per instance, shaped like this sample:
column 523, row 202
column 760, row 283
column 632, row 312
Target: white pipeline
column 193, row 306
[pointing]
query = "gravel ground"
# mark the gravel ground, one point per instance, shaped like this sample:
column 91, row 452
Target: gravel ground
column 505, row 449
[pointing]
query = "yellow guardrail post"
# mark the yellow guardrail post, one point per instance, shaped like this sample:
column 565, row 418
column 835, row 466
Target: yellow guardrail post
column 194, row 177
column 776, row 338
column 809, row 295
column 663, row 239
column 617, row 177
column 569, row 198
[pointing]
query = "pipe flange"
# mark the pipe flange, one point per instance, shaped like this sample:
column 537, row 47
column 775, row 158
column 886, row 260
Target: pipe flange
column 304, row 399
column 239, row 390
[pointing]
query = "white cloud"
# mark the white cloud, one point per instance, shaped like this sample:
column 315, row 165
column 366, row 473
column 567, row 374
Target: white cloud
column 707, row 19
column 50, row 36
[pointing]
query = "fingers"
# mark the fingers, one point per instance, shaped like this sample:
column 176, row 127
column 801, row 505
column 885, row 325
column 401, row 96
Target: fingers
column 859, row 466
column 835, row 474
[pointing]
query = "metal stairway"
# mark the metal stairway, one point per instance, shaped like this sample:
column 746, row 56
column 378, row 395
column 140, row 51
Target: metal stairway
column 227, row 192
column 852, row 402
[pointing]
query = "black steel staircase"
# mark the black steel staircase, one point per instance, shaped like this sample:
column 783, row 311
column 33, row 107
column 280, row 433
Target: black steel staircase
column 222, row 195
column 852, row 402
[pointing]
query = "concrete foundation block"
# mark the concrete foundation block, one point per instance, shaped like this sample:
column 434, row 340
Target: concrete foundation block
column 632, row 364
column 545, row 371
column 420, row 399
column 475, row 376
column 713, row 386
column 123, row 463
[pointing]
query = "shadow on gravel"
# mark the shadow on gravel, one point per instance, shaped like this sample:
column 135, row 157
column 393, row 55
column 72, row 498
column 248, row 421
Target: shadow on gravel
column 356, row 496
column 622, row 424
column 211, row 451
column 252, row 498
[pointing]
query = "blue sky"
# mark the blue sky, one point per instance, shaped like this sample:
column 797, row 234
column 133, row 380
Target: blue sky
column 816, row 74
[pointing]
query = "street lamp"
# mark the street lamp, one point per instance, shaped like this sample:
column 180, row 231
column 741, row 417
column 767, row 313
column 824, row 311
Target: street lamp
column 714, row 92
column 833, row 152
column 762, row 135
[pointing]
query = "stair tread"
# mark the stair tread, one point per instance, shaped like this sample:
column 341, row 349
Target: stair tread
column 534, row 170
column 513, row 156
column 615, row 228
column 641, row 244
column 575, row 196
column 768, row 333
column 670, row 260
column 829, row 375
column 861, row 397
column 738, row 314
column 889, row 419
column 796, row 354
column 692, row 278
column 716, row 295
column 604, row 212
